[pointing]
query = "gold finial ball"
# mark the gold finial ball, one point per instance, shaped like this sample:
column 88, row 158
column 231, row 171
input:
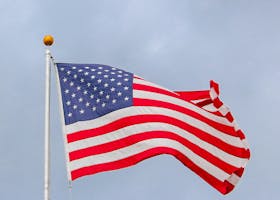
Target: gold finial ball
column 48, row 40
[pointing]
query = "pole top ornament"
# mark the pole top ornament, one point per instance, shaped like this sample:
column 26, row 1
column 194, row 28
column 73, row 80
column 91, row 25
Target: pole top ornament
column 48, row 40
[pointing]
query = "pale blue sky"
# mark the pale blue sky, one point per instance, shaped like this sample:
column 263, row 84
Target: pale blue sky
column 178, row 44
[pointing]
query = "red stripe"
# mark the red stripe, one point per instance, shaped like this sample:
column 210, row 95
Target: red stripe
column 154, row 89
column 139, row 119
column 217, row 102
column 204, row 103
column 184, row 95
column 218, row 113
column 221, row 127
column 215, row 86
column 194, row 95
column 239, row 172
column 223, row 187
column 133, row 139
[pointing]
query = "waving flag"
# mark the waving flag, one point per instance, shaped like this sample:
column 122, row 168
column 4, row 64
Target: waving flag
column 114, row 119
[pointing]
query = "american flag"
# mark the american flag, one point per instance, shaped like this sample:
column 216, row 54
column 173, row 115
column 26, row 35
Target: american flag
column 115, row 119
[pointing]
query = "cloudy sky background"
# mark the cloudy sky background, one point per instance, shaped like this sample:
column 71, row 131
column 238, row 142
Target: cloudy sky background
column 178, row 44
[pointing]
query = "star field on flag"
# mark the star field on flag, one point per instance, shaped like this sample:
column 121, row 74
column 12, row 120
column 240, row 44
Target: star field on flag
column 91, row 91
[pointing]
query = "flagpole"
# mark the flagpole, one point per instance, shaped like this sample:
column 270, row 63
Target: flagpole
column 48, row 41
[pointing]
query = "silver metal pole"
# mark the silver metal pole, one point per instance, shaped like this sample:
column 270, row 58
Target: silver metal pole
column 47, row 127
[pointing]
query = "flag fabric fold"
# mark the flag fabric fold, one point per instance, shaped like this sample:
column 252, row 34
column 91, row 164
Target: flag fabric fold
column 115, row 119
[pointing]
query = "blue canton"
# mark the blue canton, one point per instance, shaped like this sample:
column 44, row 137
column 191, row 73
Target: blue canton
column 90, row 91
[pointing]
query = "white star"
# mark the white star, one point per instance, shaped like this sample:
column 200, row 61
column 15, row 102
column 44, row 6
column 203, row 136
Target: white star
column 119, row 94
column 74, row 67
column 75, row 107
column 100, row 67
column 126, row 98
column 120, row 72
column 75, row 76
column 82, row 111
column 105, row 76
column 119, row 76
column 99, row 80
column 113, row 73
column 93, row 108
column 82, row 80
column 71, row 83
column 80, row 99
column 87, row 104
column 61, row 69
column 66, row 91
column 106, row 85
column 86, row 67
column 78, row 88
column 101, row 92
column 114, row 101
column 64, row 80
column 126, row 88
column 80, row 70
column 86, row 73
column 69, row 114
column 99, row 73
column 103, row 105
column 95, row 88
column 119, row 83
column 126, row 74
column 68, row 72
column 85, row 92
column 92, row 96
column 126, row 79
column 93, row 70
column 92, row 77
column 73, row 95
column 107, row 96
column 88, row 84
column 68, row 103
column 113, row 68
column 112, row 79
column 113, row 89
column 106, row 70
column 97, row 100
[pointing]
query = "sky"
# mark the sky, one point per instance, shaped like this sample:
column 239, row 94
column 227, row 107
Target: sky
column 180, row 45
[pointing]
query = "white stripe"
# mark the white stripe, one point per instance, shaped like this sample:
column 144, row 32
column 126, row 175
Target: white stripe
column 156, row 126
column 146, row 145
column 233, row 179
column 135, row 76
column 223, row 110
column 199, row 100
column 245, row 143
column 141, row 94
column 213, row 93
column 144, row 82
column 235, row 125
column 210, row 107
column 145, row 110
column 62, row 122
